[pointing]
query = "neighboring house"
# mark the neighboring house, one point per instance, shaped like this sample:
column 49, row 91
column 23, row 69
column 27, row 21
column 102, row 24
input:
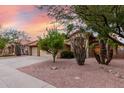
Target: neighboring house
column 24, row 47
column 10, row 49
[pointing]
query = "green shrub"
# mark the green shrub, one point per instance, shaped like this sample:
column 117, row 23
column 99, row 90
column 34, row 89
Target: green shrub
column 67, row 54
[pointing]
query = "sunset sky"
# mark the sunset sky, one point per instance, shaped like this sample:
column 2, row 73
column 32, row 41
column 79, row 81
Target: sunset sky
column 27, row 18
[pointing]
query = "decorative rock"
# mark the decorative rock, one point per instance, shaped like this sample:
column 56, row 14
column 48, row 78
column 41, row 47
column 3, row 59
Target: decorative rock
column 122, row 77
column 113, row 72
column 117, row 74
column 54, row 68
column 76, row 77
column 110, row 70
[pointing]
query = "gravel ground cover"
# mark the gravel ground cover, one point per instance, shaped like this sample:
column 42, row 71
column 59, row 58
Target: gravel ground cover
column 65, row 73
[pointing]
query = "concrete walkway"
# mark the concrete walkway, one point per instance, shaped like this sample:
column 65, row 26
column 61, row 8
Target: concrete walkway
column 12, row 78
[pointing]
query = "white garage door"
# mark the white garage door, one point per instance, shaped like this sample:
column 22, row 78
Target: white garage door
column 34, row 51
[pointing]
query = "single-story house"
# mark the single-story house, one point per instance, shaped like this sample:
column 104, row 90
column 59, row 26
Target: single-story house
column 11, row 48
column 35, row 51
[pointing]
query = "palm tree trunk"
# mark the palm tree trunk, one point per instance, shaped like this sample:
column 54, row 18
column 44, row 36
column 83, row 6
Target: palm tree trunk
column 79, row 49
column 102, row 54
column 87, row 48
column 106, row 53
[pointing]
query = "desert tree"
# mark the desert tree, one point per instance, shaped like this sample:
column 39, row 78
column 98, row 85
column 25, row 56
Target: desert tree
column 52, row 42
column 3, row 42
column 105, row 20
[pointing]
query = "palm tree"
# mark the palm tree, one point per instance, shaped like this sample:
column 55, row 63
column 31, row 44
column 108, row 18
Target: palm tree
column 103, row 51
column 78, row 43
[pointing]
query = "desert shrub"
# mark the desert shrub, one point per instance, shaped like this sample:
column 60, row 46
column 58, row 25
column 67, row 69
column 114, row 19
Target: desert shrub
column 67, row 54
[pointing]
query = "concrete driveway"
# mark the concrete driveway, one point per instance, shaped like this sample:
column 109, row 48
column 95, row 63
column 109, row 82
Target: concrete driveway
column 17, row 62
column 10, row 77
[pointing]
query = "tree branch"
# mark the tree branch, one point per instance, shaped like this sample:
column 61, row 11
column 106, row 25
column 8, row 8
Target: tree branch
column 115, row 40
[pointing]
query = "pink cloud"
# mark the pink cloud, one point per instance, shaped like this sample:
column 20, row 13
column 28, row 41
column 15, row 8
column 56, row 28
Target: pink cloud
column 38, row 24
column 8, row 13
column 9, row 16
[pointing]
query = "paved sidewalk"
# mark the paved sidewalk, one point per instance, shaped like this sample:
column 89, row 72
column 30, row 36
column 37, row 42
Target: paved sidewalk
column 12, row 78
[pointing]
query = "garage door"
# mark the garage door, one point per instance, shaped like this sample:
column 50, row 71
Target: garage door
column 34, row 51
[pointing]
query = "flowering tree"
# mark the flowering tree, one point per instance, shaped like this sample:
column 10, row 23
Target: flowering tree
column 14, row 35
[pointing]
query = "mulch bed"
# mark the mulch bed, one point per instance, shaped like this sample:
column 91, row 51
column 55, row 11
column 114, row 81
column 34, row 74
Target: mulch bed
column 70, row 75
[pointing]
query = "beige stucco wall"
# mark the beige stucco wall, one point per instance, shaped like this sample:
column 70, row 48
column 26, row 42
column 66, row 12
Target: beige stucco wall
column 43, row 53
